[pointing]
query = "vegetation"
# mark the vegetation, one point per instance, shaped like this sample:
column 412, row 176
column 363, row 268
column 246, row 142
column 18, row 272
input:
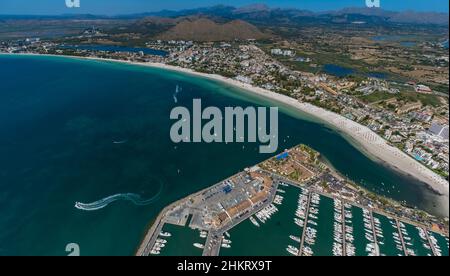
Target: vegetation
column 407, row 97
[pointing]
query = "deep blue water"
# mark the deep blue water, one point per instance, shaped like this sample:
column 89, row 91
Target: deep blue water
column 59, row 119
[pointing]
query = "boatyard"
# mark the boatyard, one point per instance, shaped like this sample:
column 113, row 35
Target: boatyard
column 281, row 208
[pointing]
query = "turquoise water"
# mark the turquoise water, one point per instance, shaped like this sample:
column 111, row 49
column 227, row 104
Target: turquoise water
column 60, row 119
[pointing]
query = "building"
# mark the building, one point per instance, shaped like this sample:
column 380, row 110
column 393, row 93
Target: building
column 244, row 79
column 439, row 130
column 279, row 52
column 409, row 107
column 423, row 89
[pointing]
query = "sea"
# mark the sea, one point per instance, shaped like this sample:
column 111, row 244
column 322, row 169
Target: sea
column 96, row 133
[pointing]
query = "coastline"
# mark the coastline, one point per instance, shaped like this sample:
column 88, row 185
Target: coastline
column 368, row 141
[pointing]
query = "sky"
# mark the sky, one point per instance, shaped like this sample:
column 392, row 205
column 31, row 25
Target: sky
column 113, row 7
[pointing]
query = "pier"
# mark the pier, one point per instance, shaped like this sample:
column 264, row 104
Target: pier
column 399, row 229
column 212, row 245
column 374, row 231
column 344, row 231
column 430, row 243
column 305, row 224
column 151, row 236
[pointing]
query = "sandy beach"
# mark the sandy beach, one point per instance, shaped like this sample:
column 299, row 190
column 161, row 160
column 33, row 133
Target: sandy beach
column 364, row 137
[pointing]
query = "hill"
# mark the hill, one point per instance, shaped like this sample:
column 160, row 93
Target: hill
column 204, row 29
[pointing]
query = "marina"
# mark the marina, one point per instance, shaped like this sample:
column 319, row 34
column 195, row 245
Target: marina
column 278, row 232
column 175, row 240
column 439, row 243
column 319, row 227
column 299, row 222
column 354, row 231
column 261, row 212
column 416, row 241
column 388, row 240
column 356, row 240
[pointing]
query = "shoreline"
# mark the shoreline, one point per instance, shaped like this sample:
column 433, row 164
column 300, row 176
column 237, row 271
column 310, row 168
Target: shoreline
column 370, row 141
column 366, row 140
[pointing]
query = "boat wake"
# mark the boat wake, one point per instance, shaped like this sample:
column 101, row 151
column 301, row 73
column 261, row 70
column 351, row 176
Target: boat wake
column 102, row 203
column 177, row 90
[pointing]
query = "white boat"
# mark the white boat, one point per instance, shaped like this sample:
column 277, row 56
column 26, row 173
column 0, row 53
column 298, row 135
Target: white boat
column 165, row 234
column 292, row 251
column 225, row 241
column 199, row 245
column 253, row 220
column 307, row 251
column 299, row 222
column 203, row 234
column 224, row 245
column 312, row 216
column 294, row 238
column 155, row 252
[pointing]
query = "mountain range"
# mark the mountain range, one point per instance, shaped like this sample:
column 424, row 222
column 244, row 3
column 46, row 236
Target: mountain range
column 260, row 12
column 257, row 13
